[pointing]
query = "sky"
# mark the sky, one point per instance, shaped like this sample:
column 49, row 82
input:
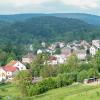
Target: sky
column 50, row 6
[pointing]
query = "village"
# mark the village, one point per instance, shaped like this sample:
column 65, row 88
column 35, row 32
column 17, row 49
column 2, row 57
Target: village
column 59, row 52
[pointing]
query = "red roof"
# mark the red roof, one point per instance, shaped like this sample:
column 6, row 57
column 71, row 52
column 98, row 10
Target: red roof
column 11, row 63
column 52, row 58
column 9, row 68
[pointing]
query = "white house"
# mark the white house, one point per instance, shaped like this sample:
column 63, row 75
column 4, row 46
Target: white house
column 56, row 59
column 2, row 74
column 81, row 54
column 61, row 59
column 39, row 51
column 43, row 44
column 96, row 43
column 12, row 68
column 17, row 64
column 93, row 50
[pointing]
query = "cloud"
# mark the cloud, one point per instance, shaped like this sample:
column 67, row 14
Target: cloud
column 42, row 6
column 18, row 3
column 84, row 4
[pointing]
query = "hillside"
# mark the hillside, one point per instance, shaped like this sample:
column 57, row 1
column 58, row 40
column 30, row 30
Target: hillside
column 46, row 28
column 88, row 18
column 74, row 92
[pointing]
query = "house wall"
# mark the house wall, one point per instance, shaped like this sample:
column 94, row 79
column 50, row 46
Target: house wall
column 92, row 51
column 26, row 60
column 81, row 56
column 20, row 66
column 2, row 75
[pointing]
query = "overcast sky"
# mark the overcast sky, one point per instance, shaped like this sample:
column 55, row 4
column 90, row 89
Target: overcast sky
column 50, row 6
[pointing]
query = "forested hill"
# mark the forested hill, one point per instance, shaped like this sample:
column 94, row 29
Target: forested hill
column 88, row 18
column 46, row 28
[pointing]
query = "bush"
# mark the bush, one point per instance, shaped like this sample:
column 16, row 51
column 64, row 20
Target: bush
column 92, row 72
column 51, row 83
column 65, row 79
column 42, row 86
column 82, row 75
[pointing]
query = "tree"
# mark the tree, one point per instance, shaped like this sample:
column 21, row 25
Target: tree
column 10, row 56
column 49, row 71
column 58, row 51
column 92, row 72
column 73, row 63
column 37, row 64
column 23, row 80
column 96, row 61
column 82, row 75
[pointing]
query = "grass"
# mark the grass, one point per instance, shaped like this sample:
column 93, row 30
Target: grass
column 74, row 92
column 8, row 90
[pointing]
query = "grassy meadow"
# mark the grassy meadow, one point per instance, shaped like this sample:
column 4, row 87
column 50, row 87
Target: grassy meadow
column 74, row 92
column 8, row 91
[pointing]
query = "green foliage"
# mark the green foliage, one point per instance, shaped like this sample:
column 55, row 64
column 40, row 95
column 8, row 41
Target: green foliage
column 37, row 65
column 49, row 71
column 96, row 61
column 47, row 29
column 92, row 73
column 42, row 86
column 23, row 80
column 58, row 51
column 82, row 75
column 72, row 63
column 10, row 52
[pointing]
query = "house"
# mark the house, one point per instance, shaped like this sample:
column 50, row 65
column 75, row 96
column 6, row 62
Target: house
column 31, row 47
column 16, row 64
column 61, row 44
column 93, row 50
column 96, row 43
column 56, row 59
column 2, row 74
column 67, row 51
column 39, row 51
column 43, row 44
column 61, row 59
column 81, row 54
column 52, row 47
column 52, row 60
column 12, row 68
column 10, row 72
column 28, row 58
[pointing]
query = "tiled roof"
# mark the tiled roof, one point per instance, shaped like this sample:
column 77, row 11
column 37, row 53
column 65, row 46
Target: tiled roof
column 9, row 68
column 13, row 62
column 52, row 58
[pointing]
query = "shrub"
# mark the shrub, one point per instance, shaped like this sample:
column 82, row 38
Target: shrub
column 82, row 75
column 51, row 83
column 42, row 86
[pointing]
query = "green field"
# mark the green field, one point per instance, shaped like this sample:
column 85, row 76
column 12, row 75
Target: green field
column 8, row 91
column 74, row 92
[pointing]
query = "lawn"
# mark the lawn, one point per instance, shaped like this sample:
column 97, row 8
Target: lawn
column 74, row 92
